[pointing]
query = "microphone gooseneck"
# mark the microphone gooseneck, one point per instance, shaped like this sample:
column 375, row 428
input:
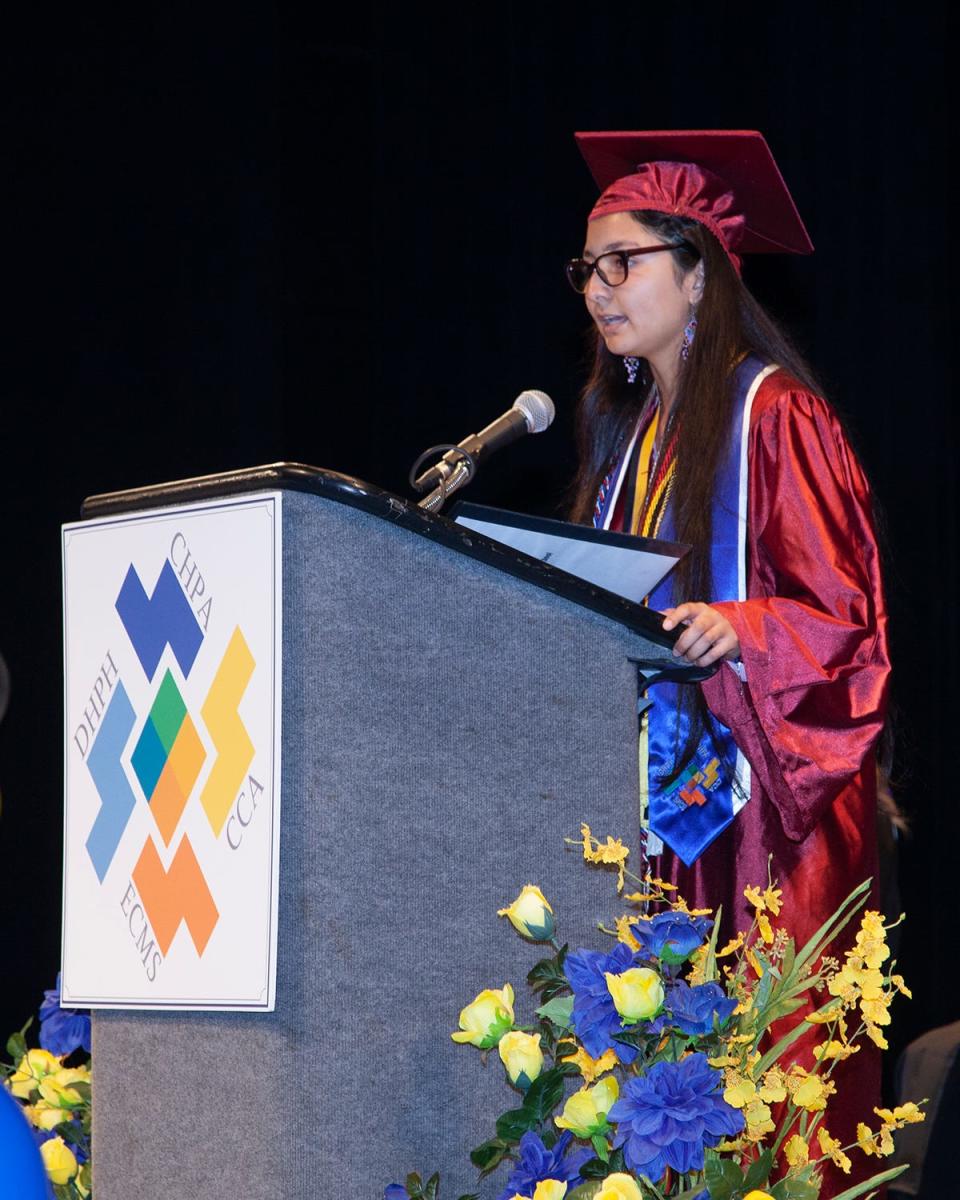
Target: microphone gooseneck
column 532, row 412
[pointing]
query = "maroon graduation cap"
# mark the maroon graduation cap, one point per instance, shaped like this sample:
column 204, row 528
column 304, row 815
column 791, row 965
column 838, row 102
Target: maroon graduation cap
column 725, row 179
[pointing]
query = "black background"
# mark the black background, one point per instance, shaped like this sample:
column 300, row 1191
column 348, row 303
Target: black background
column 338, row 239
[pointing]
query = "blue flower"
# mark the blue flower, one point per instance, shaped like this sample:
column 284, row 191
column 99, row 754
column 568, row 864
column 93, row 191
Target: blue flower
column 62, row 1030
column 692, row 1009
column 671, row 936
column 537, row 1163
column 666, row 1117
column 595, row 1017
column 395, row 1191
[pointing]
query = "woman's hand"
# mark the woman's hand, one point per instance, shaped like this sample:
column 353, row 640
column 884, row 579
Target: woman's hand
column 708, row 636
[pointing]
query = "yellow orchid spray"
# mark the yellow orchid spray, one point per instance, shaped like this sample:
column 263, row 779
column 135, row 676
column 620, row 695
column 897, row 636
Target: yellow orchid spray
column 667, row 1020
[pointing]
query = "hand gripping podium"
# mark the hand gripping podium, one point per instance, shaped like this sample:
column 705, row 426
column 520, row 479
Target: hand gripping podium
column 451, row 711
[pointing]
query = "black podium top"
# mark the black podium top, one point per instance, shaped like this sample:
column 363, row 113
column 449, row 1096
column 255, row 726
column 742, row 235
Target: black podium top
column 343, row 489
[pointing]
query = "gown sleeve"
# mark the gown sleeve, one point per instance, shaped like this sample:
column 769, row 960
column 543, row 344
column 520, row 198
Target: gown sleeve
column 813, row 633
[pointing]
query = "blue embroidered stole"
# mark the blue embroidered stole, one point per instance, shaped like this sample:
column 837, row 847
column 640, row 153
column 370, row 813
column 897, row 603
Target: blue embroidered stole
column 690, row 810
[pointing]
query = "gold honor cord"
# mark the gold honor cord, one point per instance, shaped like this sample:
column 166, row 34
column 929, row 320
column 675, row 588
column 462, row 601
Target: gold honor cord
column 643, row 473
column 646, row 518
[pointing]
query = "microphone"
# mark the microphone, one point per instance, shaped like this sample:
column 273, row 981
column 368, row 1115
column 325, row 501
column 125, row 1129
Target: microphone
column 532, row 412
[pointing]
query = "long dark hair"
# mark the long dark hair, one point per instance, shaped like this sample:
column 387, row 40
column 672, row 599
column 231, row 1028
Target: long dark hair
column 730, row 323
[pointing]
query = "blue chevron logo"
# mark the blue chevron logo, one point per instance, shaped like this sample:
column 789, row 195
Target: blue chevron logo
column 161, row 619
column 116, row 796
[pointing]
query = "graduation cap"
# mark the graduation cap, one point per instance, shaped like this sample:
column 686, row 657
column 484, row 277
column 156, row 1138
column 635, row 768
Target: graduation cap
column 725, row 179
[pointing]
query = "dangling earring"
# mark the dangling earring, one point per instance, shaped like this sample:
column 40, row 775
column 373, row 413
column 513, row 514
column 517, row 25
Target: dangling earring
column 632, row 366
column 689, row 333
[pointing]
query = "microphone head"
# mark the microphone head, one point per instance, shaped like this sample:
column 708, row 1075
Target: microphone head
column 537, row 408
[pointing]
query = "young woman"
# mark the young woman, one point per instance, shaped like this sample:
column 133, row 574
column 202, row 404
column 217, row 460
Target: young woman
column 700, row 423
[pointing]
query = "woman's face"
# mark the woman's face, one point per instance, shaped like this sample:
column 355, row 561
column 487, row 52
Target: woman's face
column 646, row 314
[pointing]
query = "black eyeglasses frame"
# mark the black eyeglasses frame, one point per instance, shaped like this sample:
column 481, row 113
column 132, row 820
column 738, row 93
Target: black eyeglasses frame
column 578, row 264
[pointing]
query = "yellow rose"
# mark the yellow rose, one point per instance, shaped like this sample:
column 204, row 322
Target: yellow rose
column 585, row 1113
column 619, row 1187
column 34, row 1066
column 59, row 1160
column 44, row 1116
column 520, row 1053
column 546, row 1189
column 56, row 1089
column 484, row 1022
column 637, row 993
column 530, row 914
column 756, row 1194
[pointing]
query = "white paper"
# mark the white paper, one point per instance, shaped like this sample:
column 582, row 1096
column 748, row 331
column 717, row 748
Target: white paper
column 628, row 571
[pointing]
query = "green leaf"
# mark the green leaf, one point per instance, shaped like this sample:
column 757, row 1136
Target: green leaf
column 512, row 1125
column 83, row 1091
column 545, row 1093
column 781, row 1007
column 558, row 1010
column 874, row 1182
column 586, row 1191
column 788, row 961
column 651, row 1187
column 547, row 977
column 567, row 1069
column 761, row 996
column 710, row 972
column 16, row 1046
column 690, row 1193
column 71, row 1132
column 432, row 1186
column 793, row 1188
column 759, row 1171
column 774, row 1053
column 723, row 1177
column 601, row 1147
column 412, row 1184
column 489, row 1155
column 634, row 1037
column 596, row 1168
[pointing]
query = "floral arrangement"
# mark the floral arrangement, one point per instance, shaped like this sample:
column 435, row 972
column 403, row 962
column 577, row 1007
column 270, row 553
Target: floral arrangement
column 52, row 1083
column 687, row 1091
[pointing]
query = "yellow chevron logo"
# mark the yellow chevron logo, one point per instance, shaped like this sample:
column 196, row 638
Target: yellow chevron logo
column 228, row 733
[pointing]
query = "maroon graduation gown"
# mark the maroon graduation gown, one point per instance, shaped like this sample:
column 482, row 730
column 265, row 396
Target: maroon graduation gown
column 813, row 639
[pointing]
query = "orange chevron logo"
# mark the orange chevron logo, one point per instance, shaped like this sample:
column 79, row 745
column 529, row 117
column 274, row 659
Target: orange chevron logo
column 180, row 894
column 691, row 792
column 227, row 731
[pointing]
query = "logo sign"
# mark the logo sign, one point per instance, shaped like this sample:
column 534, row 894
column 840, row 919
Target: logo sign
column 172, row 757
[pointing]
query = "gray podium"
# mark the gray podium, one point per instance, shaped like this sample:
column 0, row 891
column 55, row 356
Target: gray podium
column 452, row 710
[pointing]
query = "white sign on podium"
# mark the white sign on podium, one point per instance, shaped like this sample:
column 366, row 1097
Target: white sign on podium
column 172, row 701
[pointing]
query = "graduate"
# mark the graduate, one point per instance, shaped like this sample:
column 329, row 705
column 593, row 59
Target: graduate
column 700, row 423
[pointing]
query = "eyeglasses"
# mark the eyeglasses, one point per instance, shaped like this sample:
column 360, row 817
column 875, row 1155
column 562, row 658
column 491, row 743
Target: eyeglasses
column 612, row 267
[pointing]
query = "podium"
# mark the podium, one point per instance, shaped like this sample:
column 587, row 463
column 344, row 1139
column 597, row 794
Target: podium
column 451, row 711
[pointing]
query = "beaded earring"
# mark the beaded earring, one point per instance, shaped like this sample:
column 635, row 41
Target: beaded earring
column 632, row 365
column 689, row 332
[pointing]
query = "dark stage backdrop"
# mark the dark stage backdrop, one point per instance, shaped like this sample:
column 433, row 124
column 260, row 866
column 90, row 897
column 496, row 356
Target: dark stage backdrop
column 338, row 239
